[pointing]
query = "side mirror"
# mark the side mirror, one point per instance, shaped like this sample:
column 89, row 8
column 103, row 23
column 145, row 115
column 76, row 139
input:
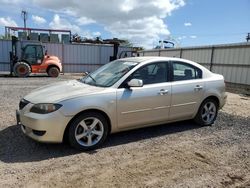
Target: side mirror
column 135, row 83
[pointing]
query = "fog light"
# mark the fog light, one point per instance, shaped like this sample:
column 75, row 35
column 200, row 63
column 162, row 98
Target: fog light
column 38, row 133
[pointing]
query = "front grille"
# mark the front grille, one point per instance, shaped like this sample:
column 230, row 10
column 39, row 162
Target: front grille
column 23, row 103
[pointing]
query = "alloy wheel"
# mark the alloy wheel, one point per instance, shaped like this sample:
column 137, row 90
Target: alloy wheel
column 208, row 112
column 89, row 131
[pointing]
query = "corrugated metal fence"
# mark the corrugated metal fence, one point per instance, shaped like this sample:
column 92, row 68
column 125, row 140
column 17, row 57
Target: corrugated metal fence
column 5, row 48
column 232, row 60
column 75, row 57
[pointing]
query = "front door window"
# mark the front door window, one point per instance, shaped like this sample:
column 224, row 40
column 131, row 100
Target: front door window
column 152, row 74
column 33, row 54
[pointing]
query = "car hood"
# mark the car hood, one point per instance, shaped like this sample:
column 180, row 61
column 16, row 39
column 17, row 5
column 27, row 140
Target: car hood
column 60, row 91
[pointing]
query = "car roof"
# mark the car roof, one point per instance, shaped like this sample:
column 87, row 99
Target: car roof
column 146, row 59
column 142, row 60
column 150, row 58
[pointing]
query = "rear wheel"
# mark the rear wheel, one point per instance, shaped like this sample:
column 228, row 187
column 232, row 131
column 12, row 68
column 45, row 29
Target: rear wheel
column 207, row 112
column 53, row 72
column 22, row 69
column 88, row 131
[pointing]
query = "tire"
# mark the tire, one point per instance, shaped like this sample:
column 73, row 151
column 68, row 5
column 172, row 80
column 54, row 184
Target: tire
column 22, row 69
column 88, row 131
column 53, row 72
column 207, row 112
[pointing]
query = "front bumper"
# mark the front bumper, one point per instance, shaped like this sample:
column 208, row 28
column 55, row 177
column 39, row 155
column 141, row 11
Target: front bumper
column 43, row 127
column 223, row 100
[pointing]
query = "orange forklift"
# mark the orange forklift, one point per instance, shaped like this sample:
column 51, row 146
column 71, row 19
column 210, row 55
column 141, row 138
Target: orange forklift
column 33, row 59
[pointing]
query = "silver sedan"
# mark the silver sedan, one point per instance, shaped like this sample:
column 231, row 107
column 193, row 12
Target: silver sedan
column 121, row 95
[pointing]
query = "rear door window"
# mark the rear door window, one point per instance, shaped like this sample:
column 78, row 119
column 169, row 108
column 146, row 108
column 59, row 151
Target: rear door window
column 184, row 71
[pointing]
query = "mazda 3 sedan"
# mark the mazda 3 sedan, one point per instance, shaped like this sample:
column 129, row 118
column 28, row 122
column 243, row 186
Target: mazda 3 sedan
column 124, row 94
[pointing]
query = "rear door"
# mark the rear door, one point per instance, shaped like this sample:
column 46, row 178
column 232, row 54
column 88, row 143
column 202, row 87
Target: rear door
column 140, row 106
column 187, row 90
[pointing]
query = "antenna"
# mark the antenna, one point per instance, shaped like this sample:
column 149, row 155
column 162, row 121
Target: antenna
column 24, row 15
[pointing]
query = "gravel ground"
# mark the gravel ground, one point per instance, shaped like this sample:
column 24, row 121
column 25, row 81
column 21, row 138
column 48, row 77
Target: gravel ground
column 174, row 155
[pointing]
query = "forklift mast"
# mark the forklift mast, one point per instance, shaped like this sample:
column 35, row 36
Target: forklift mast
column 115, row 51
column 116, row 43
column 13, row 53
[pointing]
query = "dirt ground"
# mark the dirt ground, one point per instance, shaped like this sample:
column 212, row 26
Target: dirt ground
column 180, row 154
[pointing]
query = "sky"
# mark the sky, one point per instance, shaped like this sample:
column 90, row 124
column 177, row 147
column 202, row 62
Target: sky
column 142, row 22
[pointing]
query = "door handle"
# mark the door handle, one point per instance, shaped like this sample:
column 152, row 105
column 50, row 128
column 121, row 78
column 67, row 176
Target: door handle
column 163, row 92
column 198, row 87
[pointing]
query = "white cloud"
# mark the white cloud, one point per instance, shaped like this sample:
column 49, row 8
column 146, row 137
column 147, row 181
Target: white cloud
column 193, row 36
column 10, row 2
column 84, row 21
column 38, row 19
column 127, row 5
column 182, row 37
column 96, row 34
column 142, row 31
column 141, row 21
column 60, row 23
column 70, row 12
column 187, row 24
column 7, row 22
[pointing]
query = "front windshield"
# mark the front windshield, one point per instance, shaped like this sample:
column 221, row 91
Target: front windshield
column 109, row 74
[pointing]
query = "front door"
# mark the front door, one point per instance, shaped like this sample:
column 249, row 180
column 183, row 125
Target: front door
column 145, row 105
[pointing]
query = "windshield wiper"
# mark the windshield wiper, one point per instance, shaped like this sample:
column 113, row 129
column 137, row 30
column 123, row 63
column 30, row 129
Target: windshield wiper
column 91, row 78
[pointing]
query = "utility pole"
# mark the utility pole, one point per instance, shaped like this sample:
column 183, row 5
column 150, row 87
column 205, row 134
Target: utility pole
column 248, row 37
column 25, row 17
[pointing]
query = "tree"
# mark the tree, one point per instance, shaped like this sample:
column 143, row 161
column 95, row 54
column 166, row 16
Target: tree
column 127, row 43
column 76, row 38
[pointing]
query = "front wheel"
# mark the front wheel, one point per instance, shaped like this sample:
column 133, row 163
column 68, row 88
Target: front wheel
column 22, row 69
column 207, row 112
column 53, row 72
column 88, row 131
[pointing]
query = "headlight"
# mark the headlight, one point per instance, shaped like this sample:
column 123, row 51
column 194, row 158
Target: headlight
column 45, row 108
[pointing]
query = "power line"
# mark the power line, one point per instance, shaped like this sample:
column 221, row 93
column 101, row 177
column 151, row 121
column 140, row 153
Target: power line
column 24, row 15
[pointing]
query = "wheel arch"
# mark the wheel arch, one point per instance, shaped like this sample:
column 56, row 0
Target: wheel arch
column 65, row 134
column 197, row 118
column 213, row 97
column 52, row 65
column 25, row 61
